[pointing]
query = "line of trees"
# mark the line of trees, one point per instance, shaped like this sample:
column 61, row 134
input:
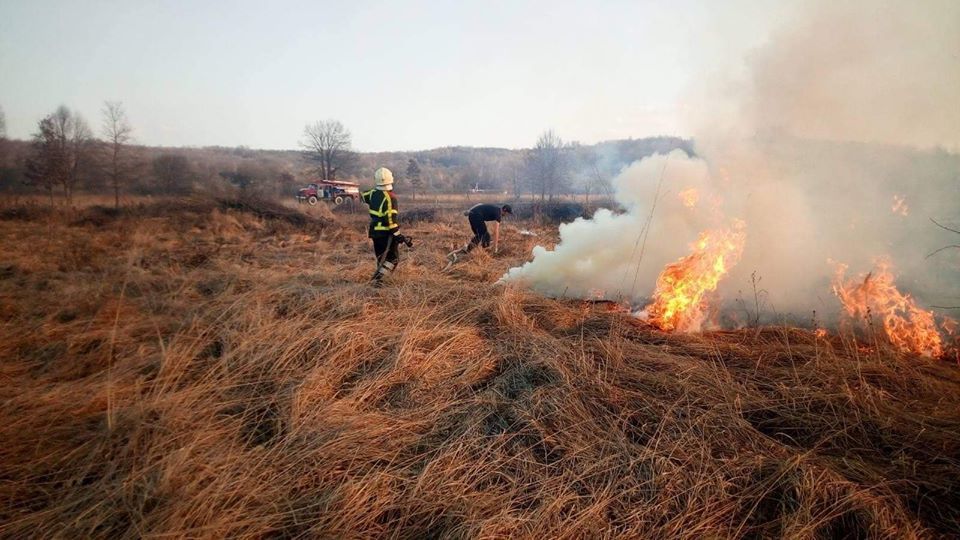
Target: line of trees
column 65, row 155
column 64, row 152
column 550, row 168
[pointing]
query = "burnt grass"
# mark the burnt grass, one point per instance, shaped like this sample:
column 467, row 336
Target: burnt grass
column 223, row 369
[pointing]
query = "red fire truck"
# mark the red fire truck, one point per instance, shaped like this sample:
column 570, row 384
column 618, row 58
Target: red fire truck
column 329, row 190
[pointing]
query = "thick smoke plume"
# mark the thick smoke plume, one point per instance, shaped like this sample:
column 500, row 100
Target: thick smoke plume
column 839, row 147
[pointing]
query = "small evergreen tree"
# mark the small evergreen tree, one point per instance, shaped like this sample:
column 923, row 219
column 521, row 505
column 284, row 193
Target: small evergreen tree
column 413, row 176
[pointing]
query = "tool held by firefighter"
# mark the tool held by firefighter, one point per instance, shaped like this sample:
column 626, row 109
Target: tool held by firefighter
column 384, row 228
column 478, row 216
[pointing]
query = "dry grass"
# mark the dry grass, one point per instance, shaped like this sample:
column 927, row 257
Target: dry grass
column 205, row 371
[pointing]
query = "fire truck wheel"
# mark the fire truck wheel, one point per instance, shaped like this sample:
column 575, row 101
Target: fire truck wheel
column 312, row 200
column 338, row 199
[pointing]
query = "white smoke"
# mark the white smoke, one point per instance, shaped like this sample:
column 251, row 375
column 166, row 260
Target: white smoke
column 598, row 258
column 853, row 107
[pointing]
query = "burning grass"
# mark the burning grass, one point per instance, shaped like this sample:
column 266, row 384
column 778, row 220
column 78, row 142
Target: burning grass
column 218, row 372
column 680, row 299
column 906, row 325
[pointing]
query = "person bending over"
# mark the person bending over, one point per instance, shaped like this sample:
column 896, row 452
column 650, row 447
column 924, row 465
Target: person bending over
column 478, row 216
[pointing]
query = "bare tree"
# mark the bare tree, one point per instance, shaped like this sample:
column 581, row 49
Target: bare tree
column 592, row 178
column 116, row 132
column 327, row 143
column 61, row 152
column 3, row 124
column 548, row 165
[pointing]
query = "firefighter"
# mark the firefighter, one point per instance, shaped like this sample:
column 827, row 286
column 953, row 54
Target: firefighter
column 384, row 227
column 478, row 216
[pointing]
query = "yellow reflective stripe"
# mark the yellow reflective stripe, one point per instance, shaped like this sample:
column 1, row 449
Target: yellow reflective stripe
column 368, row 197
column 390, row 211
column 386, row 210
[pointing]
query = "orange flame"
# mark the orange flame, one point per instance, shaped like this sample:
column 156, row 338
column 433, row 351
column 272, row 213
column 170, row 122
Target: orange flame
column 689, row 197
column 908, row 327
column 680, row 298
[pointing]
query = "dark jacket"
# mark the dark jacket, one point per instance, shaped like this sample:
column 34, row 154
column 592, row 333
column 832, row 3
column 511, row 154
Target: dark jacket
column 485, row 212
column 383, row 212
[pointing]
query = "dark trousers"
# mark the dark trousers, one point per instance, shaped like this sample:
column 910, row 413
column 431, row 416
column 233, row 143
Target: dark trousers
column 385, row 249
column 480, row 234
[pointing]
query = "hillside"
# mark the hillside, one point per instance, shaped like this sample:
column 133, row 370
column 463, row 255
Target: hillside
column 279, row 172
column 194, row 368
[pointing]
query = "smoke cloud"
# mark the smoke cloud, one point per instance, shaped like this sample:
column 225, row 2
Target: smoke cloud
column 838, row 147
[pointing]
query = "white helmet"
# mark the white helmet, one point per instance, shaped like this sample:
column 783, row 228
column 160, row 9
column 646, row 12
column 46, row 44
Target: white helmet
column 384, row 179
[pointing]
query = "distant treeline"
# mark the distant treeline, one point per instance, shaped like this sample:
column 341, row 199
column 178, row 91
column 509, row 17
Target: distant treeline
column 66, row 157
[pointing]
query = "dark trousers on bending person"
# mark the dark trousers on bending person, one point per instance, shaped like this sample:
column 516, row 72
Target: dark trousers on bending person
column 480, row 234
column 387, row 257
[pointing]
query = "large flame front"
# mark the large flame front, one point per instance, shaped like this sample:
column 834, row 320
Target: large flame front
column 680, row 298
column 875, row 295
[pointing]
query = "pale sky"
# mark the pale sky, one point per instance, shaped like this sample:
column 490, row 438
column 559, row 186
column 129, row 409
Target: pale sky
column 399, row 75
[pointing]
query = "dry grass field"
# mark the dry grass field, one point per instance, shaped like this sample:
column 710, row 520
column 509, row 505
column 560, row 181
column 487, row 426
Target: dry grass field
column 200, row 369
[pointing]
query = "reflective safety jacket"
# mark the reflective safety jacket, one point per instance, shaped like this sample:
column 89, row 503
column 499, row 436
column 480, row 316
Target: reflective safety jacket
column 383, row 212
